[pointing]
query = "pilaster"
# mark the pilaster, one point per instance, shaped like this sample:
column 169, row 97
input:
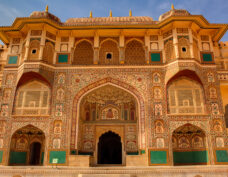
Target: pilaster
column 191, row 43
column 175, row 43
column 27, row 45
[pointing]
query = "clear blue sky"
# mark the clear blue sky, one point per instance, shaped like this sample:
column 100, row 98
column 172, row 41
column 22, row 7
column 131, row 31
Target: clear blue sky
column 215, row 11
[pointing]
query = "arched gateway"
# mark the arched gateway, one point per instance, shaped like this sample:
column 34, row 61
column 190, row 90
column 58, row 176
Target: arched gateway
column 102, row 111
column 27, row 146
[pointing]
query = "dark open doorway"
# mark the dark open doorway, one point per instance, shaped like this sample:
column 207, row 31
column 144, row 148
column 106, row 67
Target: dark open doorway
column 110, row 149
column 35, row 154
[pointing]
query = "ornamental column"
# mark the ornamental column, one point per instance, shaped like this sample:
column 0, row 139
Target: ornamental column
column 191, row 43
column 175, row 43
column 121, row 48
column 27, row 45
column 147, row 46
column 42, row 44
column 96, row 48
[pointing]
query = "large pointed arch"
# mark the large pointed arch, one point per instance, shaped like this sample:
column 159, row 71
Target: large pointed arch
column 189, row 145
column 107, row 81
column 27, row 146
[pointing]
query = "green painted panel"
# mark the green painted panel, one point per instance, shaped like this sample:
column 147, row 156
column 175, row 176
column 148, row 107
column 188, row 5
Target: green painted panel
column 207, row 57
column 12, row 60
column 158, row 157
column 57, row 157
column 155, row 57
column 222, row 155
column 1, row 156
column 18, row 157
column 42, row 157
column 63, row 58
column 190, row 157
column 133, row 153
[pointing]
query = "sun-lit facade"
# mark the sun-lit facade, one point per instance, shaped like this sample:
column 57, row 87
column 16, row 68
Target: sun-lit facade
column 123, row 91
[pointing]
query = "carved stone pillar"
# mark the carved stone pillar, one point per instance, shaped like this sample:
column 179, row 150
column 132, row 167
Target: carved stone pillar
column 96, row 55
column 191, row 43
column 121, row 55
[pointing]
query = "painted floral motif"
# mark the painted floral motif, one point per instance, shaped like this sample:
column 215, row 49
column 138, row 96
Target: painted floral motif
column 210, row 77
column 219, row 142
column 6, row 95
column 61, row 78
column 183, row 142
column 59, row 109
column 157, row 93
column 57, row 126
column 9, row 79
column 217, row 126
column 4, row 110
column 156, row 78
column 160, row 142
column 60, row 94
column 159, row 127
column 158, row 109
column 214, row 108
column 213, row 93
column 197, row 142
column 56, row 143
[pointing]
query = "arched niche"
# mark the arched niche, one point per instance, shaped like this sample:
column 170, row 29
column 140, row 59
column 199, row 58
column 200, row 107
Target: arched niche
column 48, row 53
column 134, row 52
column 83, row 53
column 27, row 146
column 189, row 145
column 34, row 50
column 109, row 52
column 185, row 96
column 169, row 50
column 184, row 47
column 32, row 98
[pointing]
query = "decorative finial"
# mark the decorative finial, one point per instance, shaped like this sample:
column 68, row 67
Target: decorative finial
column 110, row 13
column 172, row 7
column 46, row 9
column 130, row 13
column 91, row 14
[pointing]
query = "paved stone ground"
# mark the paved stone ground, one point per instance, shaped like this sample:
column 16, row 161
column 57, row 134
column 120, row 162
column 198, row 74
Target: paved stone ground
column 158, row 171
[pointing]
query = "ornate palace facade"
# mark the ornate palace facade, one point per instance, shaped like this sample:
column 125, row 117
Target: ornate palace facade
column 114, row 90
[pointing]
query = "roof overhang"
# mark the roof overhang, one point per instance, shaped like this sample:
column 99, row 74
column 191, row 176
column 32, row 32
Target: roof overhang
column 20, row 25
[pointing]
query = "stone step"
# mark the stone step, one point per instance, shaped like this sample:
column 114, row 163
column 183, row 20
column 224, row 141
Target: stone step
column 153, row 171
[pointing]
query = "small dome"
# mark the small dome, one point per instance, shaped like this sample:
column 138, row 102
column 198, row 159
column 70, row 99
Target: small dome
column 44, row 14
column 174, row 12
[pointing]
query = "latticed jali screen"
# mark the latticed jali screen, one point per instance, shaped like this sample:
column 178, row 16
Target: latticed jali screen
column 32, row 99
column 185, row 97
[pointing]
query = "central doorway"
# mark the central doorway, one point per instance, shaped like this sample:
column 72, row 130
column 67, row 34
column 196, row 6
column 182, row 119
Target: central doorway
column 110, row 149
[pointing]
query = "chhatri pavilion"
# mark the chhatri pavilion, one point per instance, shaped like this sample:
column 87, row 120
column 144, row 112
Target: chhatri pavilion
column 124, row 96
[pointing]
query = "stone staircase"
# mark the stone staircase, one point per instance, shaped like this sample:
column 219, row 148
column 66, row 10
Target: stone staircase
column 155, row 171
